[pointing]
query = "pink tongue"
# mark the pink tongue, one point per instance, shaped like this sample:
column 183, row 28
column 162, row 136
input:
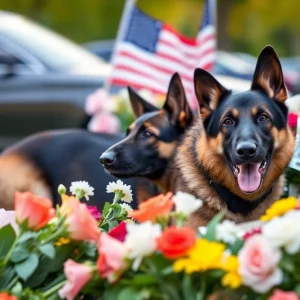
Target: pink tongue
column 249, row 178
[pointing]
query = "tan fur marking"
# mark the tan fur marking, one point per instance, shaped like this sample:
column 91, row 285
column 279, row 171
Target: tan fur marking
column 19, row 174
column 182, row 119
column 166, row 150
column 235, row 112
column 254, row 111
column 152, row 128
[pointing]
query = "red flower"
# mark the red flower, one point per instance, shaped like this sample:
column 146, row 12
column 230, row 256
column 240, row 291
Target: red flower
column 119, row 232
column 5, row 296
column 175, row 242
column 94, row 212
column 251, row 233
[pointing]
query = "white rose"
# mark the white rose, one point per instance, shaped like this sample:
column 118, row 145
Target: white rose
column 227, row 232
column 284, row 232
column 186, row 204
column 140, row 240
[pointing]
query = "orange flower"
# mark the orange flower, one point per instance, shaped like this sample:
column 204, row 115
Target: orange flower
column 5, row 296
column 36, row 210
column 81, row 224
column 153, row 208
column 175, row 242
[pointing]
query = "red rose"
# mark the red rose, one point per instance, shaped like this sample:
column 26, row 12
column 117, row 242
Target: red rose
column 175, row 242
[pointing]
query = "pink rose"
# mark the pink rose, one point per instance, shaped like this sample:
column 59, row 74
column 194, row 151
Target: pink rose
column 119, row 232
column 8, row 217
column 98, row 101
column 94, row 212
column 258, row 264
column 283, row 295
column 81, row 225
column 104, row 122
column 111, row 261
column 77, row 277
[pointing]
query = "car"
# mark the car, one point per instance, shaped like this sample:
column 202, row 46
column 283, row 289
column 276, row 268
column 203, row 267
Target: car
column 44, row 79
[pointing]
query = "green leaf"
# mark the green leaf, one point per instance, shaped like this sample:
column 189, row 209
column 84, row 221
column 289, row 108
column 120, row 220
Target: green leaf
column 7, row 237
column 117, row 209
column 129, row 293
column 112, row 224
column 37, row 278
column 211, row 227
column 19, row 254
column 236, row 246
column 287, row 264
column 6, row 276
column 17, row 289
column 54, row 265
column 187, row 288
column 48, row 250
column 26, row 268
column 143, row 280
column 105, row 208
column 28, row 235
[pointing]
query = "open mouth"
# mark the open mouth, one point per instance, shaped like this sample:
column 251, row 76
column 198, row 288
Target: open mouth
column 250, row 175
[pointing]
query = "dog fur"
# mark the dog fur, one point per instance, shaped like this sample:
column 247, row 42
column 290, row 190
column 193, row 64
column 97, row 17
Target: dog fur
column 41, row 162
column 205, row 157
column 149, row 147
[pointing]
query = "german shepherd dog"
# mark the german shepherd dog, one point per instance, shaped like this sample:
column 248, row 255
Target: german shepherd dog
column 151, row 141
column 234, row 156
column 39, row 163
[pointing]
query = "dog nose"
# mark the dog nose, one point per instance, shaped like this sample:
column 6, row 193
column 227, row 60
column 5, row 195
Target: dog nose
column 246, row 149
column 108, row 158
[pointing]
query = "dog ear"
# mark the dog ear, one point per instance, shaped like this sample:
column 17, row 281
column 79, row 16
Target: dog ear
column 209, row 92
column 138, row 104
column 176, row 103
column 268, row 75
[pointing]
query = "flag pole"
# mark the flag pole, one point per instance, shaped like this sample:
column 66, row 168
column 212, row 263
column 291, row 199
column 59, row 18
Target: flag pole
column 129, row 5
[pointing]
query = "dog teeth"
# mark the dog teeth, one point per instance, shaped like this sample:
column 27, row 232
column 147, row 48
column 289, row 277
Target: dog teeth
column 236, row 171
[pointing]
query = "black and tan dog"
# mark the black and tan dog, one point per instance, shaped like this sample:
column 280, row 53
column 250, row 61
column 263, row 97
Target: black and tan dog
column 233, row 158
column 151, row 141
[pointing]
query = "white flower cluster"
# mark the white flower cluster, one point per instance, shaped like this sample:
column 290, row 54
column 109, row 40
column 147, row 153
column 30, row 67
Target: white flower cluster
column 82, row 186
column 113, row 187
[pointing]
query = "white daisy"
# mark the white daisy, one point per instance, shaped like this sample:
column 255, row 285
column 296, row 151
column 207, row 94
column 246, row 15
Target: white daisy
column 127, row 207
column 82, row 187
column 113, row 187
column 227, row 232
column 186, row 204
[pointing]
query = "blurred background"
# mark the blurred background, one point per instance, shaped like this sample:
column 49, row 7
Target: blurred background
column 55, row 56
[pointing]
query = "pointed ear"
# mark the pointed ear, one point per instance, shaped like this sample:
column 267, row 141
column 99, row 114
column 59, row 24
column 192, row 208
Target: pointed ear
column 176, row 104
column 138, row 104
column 209, row 92
column 268, row 75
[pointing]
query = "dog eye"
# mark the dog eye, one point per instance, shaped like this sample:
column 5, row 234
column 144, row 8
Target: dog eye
column 147, row 134
column 228, row 122
column 263, row 118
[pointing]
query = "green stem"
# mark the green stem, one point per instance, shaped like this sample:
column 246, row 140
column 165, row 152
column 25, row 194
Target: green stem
column 13, row 246
column 12, row 283
column 55, row 236
column 203, row 288
column 54, row 289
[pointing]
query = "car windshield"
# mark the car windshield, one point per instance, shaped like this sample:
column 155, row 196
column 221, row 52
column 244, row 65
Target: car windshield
column 51, row 48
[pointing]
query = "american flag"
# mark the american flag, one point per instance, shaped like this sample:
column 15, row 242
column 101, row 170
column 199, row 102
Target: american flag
column 150, row 52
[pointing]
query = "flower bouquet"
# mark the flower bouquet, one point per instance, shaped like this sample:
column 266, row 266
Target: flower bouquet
column 75, row 251
column 112, row 113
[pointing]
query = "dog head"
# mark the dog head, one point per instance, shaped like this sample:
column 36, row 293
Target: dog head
column 247, row 143
column 151, row 140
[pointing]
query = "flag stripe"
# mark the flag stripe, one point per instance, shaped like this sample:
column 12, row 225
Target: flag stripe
column 152, row 52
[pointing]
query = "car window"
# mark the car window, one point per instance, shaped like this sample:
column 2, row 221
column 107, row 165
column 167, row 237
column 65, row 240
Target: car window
column 10, row 63
column 51, row 48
